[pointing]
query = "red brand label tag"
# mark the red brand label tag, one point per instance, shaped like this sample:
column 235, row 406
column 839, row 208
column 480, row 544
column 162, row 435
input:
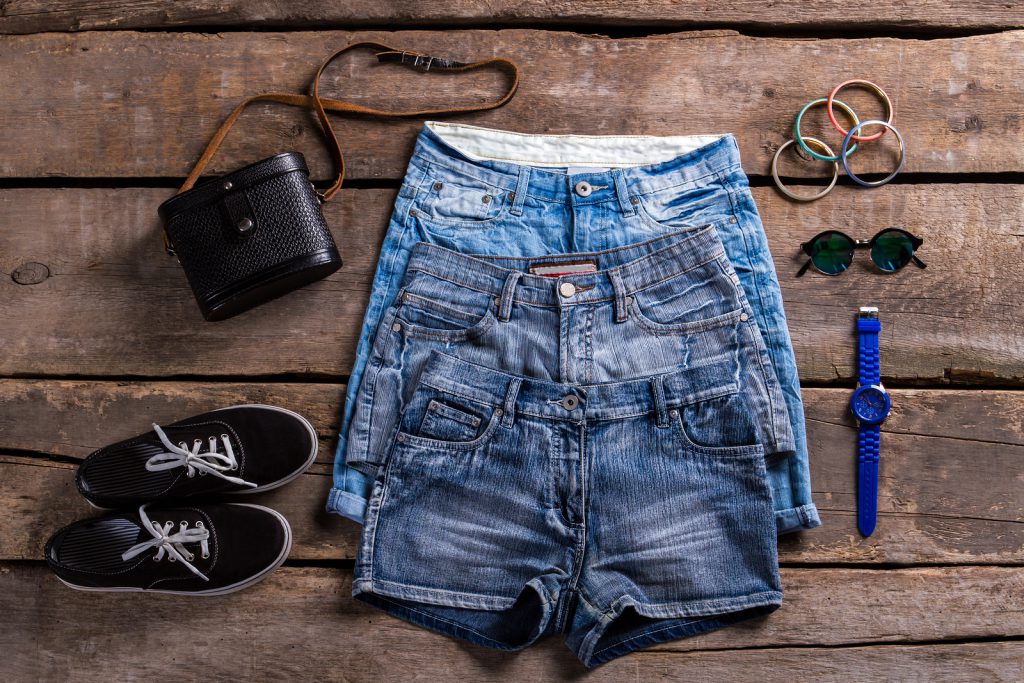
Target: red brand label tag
column 556, row 269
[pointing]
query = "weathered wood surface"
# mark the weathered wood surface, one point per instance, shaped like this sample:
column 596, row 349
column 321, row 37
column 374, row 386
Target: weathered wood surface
column 100, row 297
column 28, row 16
column 303, row 621
column 145, row 104
column 945, row 495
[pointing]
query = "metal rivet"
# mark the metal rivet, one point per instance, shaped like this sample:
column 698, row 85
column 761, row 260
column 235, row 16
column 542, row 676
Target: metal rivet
column 412, row 212
column 397, row 327
column 567, row 289
column 499, row 412
column 433, row 406
column 634, row 200
column 486, row 199
column 570, row 402
column 744, row 317
column 733, row 219
column 673, row 413
column 438, row 186
column 227, row 185
column 583, row 188
column 512, row 196
column 401, row 437
column 244, row 225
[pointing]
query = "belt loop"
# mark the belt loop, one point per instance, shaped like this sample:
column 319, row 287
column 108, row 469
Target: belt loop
column 622, row 192
column 519, row 196
column 661, row 410
column 507, row 293
column 621, row 312
column 509, row 406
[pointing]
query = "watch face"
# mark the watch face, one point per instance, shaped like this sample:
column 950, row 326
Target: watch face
column 870, row 404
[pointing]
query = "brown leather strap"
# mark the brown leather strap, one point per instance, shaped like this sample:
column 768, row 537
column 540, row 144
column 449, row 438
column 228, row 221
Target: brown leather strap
column 323, row 105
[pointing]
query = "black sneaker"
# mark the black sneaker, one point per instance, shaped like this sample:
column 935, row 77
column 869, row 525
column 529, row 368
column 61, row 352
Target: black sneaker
column 196, row 550
column 242, row 449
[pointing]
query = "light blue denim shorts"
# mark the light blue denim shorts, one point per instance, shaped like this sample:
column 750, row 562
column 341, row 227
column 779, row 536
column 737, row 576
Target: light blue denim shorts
column 481, row 191
column 570, row 448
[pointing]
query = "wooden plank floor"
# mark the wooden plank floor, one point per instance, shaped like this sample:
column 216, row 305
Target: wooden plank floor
column 106, row 107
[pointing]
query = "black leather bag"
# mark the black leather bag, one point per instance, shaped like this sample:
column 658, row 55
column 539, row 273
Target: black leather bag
column 251, row 236
column 259, row 232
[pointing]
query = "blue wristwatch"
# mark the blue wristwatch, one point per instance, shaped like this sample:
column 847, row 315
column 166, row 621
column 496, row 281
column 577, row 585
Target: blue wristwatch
column 870, row 404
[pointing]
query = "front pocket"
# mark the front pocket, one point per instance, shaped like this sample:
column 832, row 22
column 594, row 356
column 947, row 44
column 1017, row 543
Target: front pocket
column 686, row 326
column 428, row 318
column 448, row 423
column 721, row 426
column 686, row 206
column 452, row 200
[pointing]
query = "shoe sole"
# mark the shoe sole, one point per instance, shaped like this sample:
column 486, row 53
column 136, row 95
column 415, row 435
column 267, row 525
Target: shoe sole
column 259, row 489
column 216, row 591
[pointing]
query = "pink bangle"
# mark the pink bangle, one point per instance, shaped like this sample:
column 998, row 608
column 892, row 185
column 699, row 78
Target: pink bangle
column 870, row 86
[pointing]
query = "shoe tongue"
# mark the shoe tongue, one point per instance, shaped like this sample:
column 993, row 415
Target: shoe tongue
column 189, row 433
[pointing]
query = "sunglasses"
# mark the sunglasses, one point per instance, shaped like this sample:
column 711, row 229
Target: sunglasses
column 831, row 251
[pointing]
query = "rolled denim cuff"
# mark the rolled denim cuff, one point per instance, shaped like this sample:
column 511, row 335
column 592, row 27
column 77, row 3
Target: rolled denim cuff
column 797, row 519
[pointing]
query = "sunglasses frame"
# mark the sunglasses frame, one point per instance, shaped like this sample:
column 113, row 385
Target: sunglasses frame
column 915, row 243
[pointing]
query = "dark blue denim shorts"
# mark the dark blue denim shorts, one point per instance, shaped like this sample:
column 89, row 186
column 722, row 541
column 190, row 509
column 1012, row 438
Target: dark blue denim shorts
column 571, row 444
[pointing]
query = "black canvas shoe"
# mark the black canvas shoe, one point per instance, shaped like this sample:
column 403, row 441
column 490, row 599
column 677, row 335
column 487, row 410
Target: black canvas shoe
column 192, row 549
column 242, row 449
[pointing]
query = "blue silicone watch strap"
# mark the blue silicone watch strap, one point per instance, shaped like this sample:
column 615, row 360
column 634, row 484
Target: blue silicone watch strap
column 867, row 479
column 868, row 329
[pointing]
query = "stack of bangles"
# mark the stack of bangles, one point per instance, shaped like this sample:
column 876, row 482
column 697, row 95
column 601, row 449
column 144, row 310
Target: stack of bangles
column 825, row 152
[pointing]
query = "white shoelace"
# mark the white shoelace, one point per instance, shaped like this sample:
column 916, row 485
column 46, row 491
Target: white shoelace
column 172, row 545
column 210, row 462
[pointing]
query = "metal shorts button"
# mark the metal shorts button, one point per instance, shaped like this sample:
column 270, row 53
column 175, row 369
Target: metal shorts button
column 583, row 188
column 567, row 289
column 570, row 402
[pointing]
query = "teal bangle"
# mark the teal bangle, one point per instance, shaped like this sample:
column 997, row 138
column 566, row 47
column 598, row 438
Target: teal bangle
column 800, row 138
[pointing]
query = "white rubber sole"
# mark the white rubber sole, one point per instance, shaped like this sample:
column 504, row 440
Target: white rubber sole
column 259, row 489
column 224, row 590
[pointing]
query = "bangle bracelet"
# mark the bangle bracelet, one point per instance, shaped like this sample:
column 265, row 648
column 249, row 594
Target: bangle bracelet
column 850, row 136
column 800, row 138
column 805, row 198
column 870, row 86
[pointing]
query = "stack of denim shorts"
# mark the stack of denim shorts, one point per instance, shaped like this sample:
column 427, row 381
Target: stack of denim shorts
column 575, row 407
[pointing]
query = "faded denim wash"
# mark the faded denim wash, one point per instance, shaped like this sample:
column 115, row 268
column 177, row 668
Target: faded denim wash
column 581, row 454
column 534, row 211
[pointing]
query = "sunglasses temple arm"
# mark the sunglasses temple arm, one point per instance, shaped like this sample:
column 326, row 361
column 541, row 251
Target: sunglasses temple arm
column 804, row 269
column 918, row 262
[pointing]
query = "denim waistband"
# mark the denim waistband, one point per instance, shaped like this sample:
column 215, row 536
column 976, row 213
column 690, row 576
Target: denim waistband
column 656, row 395
column 622, row 271
column 711, row 156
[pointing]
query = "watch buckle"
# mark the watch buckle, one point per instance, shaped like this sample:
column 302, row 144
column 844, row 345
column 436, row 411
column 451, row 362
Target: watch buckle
column 868, row 312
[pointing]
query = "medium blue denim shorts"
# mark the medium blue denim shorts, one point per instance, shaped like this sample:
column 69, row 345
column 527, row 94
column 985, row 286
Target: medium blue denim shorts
column 482, row 191
column 579, row 453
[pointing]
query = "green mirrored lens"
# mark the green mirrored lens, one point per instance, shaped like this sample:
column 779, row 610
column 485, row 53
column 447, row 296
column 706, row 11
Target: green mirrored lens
column 832, row 253
column 892, row 250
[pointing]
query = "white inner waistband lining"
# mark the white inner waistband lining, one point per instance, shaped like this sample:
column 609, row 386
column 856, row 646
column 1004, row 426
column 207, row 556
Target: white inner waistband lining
column 611, row 151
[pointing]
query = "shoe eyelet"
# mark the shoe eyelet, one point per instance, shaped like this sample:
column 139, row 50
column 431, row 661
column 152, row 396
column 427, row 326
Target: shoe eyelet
column 224, row 436
column 202, row 473
column 183, row 525
column 171, row 558
column 199, row 523
column 156, row 558
column 234, row 467
column 181, row 444
column 206, row 556
column 191, row 474
column 191, row 557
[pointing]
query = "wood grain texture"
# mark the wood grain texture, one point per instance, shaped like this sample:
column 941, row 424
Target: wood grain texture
column 112, row 303
column 303, row 620
column 29, row 16
column 945, row 495
column 145, row 104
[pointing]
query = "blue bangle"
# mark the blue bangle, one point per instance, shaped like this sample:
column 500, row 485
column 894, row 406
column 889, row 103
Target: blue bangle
column 846, row 143
column 800, row 138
